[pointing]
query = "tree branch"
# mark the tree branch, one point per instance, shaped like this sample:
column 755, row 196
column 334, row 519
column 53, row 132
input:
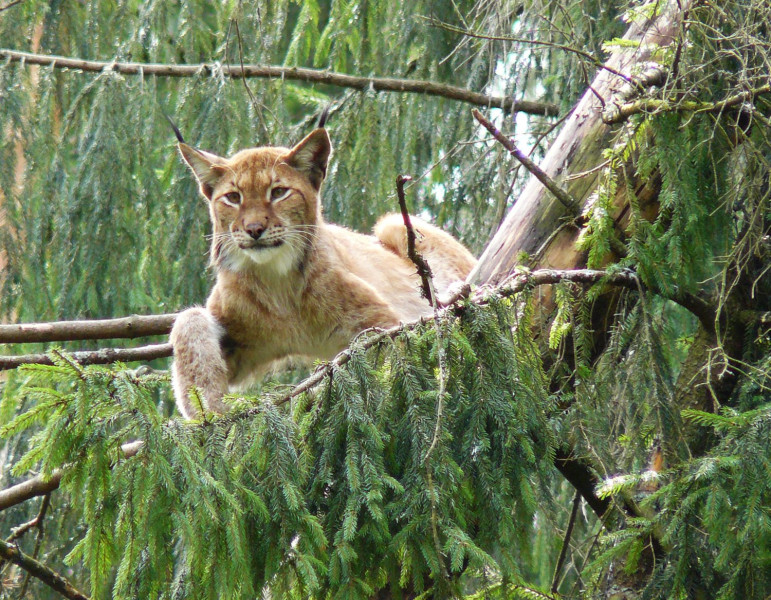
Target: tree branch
column 101, row 329
column 423, row 269
column 566, row 199
column 577, row 473
column 654, row 105
column 38, row 486
column 103, row 356
column 380, row 84
column 37, row 569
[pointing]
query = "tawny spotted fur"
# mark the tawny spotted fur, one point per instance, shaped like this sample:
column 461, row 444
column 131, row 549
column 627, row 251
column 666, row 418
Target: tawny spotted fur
column 287, row 282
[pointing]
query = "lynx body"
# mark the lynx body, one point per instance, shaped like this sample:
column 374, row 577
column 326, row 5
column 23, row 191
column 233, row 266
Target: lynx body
column 287, row 282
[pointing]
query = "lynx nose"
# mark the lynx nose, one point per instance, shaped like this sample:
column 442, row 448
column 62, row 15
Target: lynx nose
column 255, row 229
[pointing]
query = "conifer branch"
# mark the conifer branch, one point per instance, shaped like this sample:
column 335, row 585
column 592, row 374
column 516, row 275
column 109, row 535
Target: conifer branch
column 566, row 199
column 380, row 84
column 103, row 356
column 38, row 570
column 654, row 105
column 38, row 486
column 578, row 475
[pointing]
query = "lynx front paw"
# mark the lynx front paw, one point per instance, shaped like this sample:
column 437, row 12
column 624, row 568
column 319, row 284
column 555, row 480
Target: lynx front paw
column 198, row 362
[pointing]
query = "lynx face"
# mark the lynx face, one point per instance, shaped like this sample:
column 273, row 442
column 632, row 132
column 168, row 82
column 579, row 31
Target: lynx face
column 263, row 202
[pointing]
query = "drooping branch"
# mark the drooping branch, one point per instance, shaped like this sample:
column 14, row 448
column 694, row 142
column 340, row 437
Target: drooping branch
column 101, row 329
column 38, row 570
column 38, row 485
column 578, row 474
column 380, row 84
column 104, row 356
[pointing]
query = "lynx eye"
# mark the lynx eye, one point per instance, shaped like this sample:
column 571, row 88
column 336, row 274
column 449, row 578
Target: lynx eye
column 279, row 193
column 231, row 198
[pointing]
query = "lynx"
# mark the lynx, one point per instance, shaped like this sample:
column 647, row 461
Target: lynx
column 288, row 283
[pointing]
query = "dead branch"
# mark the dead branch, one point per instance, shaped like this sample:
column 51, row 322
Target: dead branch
column 38, row 570
column 566, row 199
column 423, row 269
column 103, row 356
column 101, row 329
column 380, row 84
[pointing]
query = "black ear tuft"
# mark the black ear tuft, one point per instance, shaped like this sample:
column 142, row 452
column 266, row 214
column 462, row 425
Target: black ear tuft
column 324, row 116
column 180, row 139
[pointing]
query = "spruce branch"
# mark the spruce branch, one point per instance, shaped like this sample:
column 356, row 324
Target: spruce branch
column 566, row 199
column 655, row 105
column 38, row 570
column 38, row 486
column 380, row 84
column 575, row 472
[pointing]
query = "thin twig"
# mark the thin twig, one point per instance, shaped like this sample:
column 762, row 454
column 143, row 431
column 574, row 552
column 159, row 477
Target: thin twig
column 566, row 199
column 38, row 541
column 530, row 41
column 566, row 543
column 423, row 269
column 38, row 570
column 380, row 84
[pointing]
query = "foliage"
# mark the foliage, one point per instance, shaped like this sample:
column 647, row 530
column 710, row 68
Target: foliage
column 424, row 466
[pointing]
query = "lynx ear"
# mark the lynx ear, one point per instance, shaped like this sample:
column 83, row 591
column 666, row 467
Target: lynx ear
column 310, row 156
column 206, row 167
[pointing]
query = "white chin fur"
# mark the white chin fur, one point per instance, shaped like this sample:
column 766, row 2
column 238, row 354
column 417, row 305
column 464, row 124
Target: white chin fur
column 276, row 259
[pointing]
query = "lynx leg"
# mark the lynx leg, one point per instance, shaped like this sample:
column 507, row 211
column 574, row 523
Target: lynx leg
column 198, row 361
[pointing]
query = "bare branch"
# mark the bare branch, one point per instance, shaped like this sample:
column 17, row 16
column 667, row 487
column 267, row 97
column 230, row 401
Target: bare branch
column 565, row 543
column 566, row 199
column 380, row 84
column 37, row 569
column 423, row 269
column 103, row 356
column 102, row 329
